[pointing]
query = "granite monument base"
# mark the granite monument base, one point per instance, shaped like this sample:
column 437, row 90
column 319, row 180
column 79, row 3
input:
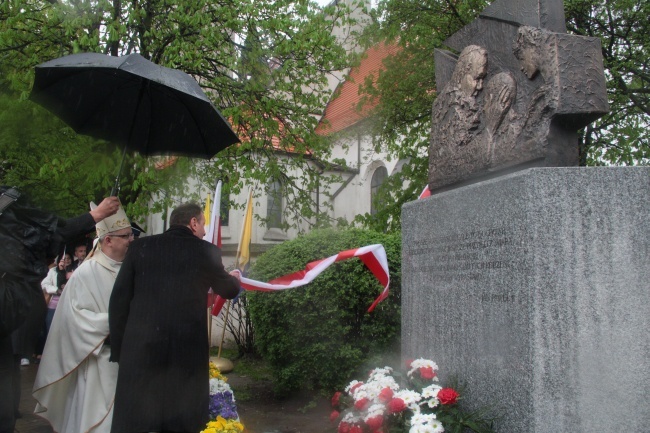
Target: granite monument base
column 533, row 289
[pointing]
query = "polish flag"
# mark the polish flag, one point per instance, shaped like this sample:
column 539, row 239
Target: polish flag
column 373, row 256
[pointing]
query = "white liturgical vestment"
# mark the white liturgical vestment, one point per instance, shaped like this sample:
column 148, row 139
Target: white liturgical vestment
column 75, row 383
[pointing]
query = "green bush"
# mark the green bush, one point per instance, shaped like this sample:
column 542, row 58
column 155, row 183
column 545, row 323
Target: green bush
column 318, row 336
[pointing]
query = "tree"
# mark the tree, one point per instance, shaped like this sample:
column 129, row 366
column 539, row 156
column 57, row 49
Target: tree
column 621, row 137
column 407, row 86
column 264, row 63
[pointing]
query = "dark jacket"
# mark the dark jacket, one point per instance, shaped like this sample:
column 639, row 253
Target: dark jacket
column 158, row 331
column 29, row 240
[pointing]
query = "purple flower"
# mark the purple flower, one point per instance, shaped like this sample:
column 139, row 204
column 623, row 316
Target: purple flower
column 222, row 403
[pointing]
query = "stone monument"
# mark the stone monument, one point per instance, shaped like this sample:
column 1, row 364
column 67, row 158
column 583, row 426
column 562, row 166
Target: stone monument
column 526, row 277
column 541, row 86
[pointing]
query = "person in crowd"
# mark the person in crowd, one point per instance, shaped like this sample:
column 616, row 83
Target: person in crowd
column 53, row 285
column 75, row 384
column 28, row 238
column 80, row 252
column 158, row 326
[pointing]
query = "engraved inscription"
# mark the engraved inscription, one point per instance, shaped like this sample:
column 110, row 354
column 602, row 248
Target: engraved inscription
column 467, row 256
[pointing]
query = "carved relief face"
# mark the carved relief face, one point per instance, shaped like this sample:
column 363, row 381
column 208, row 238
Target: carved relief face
column 527, row 51
column 472, row 82
column 500, row 93
column 528, row 58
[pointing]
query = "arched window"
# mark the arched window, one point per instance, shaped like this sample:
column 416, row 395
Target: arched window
column 378, row 178
column 274, row 205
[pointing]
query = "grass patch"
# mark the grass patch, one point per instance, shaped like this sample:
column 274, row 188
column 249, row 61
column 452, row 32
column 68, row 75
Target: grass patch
column 244, row 394
column 254, row 368
column 307, row 407
column 247, row 365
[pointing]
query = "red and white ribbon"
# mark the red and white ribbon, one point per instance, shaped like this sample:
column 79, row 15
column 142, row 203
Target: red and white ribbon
column 373, row 256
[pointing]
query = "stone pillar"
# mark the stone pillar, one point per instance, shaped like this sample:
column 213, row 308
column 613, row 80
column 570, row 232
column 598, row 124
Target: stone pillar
column 534, row 290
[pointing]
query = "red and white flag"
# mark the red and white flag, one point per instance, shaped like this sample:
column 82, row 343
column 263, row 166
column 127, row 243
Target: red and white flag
column 243, row 250
column 373, row 256
column 213, row 228
column 425, row 193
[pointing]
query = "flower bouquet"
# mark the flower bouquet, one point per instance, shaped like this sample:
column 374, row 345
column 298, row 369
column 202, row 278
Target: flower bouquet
column 390, row 403
column 223, row 410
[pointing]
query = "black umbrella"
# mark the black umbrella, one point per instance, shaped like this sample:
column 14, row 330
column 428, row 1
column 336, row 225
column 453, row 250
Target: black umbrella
column 133, row 102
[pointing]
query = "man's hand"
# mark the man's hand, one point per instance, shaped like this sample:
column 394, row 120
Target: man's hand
column 235, row 273
column 106, row 208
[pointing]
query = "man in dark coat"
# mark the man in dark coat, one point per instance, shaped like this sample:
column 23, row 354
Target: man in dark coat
column 158, row 327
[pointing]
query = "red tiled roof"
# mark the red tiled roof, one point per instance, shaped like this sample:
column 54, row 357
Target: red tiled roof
column 342, row 110
column 276, row 140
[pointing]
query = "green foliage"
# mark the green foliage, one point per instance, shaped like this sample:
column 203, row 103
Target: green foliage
column 58, row 169
column 407, row 90
column 621, row 137
column 264, row 63
column 318, row 335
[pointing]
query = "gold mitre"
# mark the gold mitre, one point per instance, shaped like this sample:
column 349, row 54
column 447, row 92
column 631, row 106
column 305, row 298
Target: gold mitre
column 112, row 223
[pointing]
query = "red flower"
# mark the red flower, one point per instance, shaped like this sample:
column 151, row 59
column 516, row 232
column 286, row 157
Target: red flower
column 396, row 405
column 375, row 422
column 408, row 363
column 356, row 429
column 344, row 427
column 427, row 373
column 385, row 395
column 356, row 385
column 447, row 396
column 336, row 399
column 334, row 415
column 361, row 404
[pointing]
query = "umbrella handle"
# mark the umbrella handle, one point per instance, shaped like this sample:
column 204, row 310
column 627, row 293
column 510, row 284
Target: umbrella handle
column 116, row 187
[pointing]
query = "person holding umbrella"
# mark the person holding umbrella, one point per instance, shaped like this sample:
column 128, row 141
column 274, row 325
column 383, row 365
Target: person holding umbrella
column 28, row 238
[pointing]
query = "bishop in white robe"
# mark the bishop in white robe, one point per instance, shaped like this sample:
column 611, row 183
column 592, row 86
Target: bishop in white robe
column 75, row 383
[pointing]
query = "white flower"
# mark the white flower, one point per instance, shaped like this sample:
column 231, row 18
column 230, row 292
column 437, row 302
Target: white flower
column 351, row 418
column 374, row 410
column 386, row 371
column 373, row 388
column 425, row 423
column 351, row 385
column 408, row 396
column 434, row 402
column 431, row 391
column 422, row 363
column 218, row 385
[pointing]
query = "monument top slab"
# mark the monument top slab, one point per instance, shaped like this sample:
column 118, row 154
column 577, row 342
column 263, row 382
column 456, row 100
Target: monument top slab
column 513, row 89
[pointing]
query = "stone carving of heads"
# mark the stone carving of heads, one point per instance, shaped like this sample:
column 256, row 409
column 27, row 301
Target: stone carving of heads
column 470, row 70
column 527, row 49
column 500, row 93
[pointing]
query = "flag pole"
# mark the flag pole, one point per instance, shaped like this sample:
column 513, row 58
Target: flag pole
column 223, row 331
column 241, row 258
column 206, row 214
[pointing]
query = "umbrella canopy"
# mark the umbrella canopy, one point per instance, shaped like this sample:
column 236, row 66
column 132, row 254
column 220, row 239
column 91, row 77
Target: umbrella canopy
column 131, row 101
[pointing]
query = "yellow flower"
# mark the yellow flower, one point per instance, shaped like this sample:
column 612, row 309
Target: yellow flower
column 215, row 373
column 222, row 425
